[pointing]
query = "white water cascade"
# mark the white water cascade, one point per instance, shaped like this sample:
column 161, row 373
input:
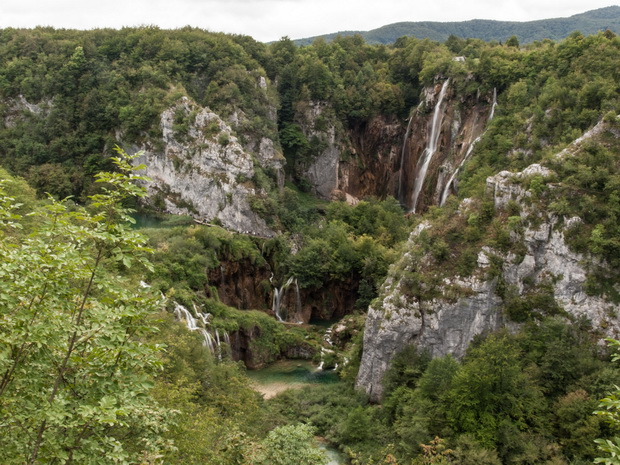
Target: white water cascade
column 277, row 296
column 446, row 188
column 210, row 340
column 183, row 314
column 328, row 340
column 493, row 105
column 402, row 154
column 431, row 147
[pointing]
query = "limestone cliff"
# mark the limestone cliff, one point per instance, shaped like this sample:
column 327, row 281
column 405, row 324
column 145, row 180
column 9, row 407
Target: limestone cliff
column 246, row 286
column 381, row 156
column 536, row 269
column 442, row 131
column 202, row 170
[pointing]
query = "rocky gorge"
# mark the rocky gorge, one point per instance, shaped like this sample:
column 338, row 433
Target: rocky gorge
column 465, row 307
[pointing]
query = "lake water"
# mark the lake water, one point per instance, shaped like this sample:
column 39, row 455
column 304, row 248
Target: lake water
column 334, row 456
column 295, row 374
column 289, row 374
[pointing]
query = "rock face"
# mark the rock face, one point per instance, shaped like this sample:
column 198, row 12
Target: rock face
column 243, row 350
column 322, row 170
column 203, row 170
column 440, row 327
column 238, row 284
column 247, row 287
column 459, row 121
column 19, row 107
column 447, row 325
column 381, row 156
column 372, row 169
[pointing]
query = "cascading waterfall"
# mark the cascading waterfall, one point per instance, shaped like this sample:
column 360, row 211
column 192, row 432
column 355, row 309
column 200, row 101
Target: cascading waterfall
column 211, row 341
column 328, row 339
column 183, row 314
column 277, row 296
column 219, row 344
column 402, row 155
column 446, row 188
column 493, row 105
column 431, row 147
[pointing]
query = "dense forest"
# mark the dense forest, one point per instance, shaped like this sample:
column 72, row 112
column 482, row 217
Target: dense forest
column 526, row 32
column 95, row 367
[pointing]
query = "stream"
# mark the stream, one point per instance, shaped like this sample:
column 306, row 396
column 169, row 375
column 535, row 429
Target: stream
column 334, row 456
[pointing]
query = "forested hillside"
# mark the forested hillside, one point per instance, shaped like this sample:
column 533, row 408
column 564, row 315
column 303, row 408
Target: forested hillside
column 452, row 221
column 526, row 32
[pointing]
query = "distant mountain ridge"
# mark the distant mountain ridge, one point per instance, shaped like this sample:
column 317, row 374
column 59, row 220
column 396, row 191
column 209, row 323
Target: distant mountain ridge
column 587, row 23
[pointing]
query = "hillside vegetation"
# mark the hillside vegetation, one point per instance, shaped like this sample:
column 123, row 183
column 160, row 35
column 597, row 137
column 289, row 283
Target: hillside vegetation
column 517, row 397
column 526, row 32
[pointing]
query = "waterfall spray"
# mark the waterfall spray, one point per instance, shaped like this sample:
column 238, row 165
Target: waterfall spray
column 211, row 340
column 493, row 105
column 431, row 147
column 277, row 296
column 446, row 188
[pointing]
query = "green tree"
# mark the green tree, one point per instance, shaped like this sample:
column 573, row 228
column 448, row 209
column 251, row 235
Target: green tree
column 292, row 444
column 74, row 371
column 610, row 410
column 491, row 392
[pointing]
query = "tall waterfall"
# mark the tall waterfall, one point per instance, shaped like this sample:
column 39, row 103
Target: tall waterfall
column 402, row 156
column 494, row 104
column 431, row 147
column 446, row 188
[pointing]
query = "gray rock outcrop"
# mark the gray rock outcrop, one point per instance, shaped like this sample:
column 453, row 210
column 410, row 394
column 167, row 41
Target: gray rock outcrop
column 471, row 306
column 204, row 171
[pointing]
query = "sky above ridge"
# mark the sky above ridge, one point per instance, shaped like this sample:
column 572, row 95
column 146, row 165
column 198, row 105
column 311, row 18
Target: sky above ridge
column 268, row 20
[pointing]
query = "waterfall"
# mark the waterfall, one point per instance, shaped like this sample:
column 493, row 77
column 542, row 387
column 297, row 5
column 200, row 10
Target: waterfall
column 183, row 314
column 446, row 188
column 402, row 157
column 327, row 338
column 494, row 104
column 210, row 340
column 277, row 296
column 431, row 147
column 218, row 345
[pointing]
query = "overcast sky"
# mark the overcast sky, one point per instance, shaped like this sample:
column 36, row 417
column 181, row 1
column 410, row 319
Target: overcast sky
column 268, row 20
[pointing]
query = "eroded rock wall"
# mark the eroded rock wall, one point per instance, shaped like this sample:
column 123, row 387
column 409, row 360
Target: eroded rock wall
column 381, row 156
column 204, row 171
column 474, row 305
